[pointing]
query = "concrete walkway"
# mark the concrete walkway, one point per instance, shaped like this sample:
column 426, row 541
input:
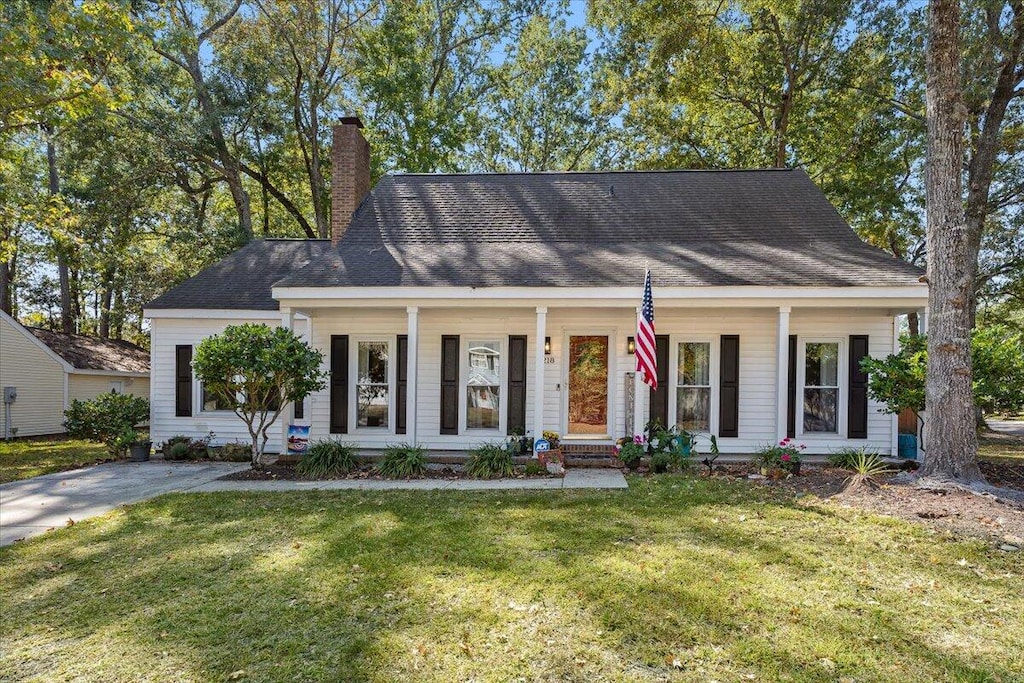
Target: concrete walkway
column 32, row 506
column 573, row 479
column 1014, row 427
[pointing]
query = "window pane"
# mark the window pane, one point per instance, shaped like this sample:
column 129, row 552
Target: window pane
column 820, row 408
column 373, row 362
column 694, row 363
column 821, row 368
column 484, row 363
column 372, row 405
column 482, row 407
column 693, row 409
column 213, row 402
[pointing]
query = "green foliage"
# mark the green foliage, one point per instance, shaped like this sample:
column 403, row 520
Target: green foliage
column 257, row 370
column 533, row 468
column 997, row 354
column 327, row 458
column 661, row 462
column 183, row 447
column 108, row 419
column 630, row 451
column 898, row 380
column 233, row 451
column 846, row 457
column 403, row 461
column 783, row 455
column 490, row 461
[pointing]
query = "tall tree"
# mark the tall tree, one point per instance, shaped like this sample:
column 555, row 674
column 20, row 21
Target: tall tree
column 952, row 260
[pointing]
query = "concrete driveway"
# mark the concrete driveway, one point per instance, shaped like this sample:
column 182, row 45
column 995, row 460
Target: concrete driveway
column 1015, row 427
column 31, row 506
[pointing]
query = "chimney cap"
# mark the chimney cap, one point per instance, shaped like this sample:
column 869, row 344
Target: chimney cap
column 351, row 121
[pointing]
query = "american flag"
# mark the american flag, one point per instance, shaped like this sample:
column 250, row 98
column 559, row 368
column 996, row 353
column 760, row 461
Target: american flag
column 646, row 358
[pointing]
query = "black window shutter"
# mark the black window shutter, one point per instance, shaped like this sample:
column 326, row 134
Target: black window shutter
column 729, row 386
column 516, row 419
column 857, row 403
column 659, row 398
column 299, row 410
column 791, row 398
column 402, row 390
column 183, row 381
column 339, row 384
column 450, row 384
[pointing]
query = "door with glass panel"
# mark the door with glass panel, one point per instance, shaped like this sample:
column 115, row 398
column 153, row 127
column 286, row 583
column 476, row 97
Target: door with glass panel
column 588, row 385
column 693, row 386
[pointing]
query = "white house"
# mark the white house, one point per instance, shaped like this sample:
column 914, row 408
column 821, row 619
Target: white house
column 48, row 370
column 454, row 309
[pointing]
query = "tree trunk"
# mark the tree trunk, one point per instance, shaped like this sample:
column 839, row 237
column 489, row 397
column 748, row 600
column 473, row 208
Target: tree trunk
column 914, row 321
column 67, row 315
column 106, row 302
column 952, row 453
column 7, row 273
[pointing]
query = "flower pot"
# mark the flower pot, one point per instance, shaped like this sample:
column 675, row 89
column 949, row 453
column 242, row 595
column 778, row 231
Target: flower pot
column 139, row 452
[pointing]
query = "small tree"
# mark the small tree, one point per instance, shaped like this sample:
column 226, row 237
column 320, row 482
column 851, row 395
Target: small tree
column 108, row 418
column 997, row 353
column 258, row 370
column 898, row 380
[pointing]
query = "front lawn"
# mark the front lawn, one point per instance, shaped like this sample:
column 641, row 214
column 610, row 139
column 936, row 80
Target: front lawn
column 1000, row 446
column 674, row 579
column 32, row 457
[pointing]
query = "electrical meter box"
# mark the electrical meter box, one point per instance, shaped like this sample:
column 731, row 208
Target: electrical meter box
column 10, row 394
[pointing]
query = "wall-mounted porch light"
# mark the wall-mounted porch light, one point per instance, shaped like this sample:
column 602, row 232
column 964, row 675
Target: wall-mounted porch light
column 547, row 346
column 630, row 345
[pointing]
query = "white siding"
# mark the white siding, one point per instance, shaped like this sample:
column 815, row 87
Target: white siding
column 86, row 387
column 166, row 333
column 39, row 379
column 755, row 327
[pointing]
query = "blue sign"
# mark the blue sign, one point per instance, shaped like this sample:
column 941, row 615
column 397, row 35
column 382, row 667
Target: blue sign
column 541, row 445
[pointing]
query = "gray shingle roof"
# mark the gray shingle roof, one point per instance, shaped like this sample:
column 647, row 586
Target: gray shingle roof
column 693, row 228
column 93, row 353
column 243, row 279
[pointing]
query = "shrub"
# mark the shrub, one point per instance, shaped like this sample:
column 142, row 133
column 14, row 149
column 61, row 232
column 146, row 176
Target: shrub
column 107, row 419
column 327, row 458
column 785, row 455
column 490, row 461
column 661, row 461
column 233, row 452
column 186, row 448
column 631, row 450
column 533, row 468
column 846, row 458
column 866, row 467
column 403, row 461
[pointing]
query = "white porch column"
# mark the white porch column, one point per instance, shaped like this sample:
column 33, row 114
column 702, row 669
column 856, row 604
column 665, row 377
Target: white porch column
column 782, row 376
column 922, row 321
column 412, row 371
column 288, row 323
column 638, row 389
column 538, row 373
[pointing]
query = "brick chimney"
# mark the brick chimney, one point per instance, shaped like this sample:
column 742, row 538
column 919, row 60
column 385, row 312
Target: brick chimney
column 350, row 173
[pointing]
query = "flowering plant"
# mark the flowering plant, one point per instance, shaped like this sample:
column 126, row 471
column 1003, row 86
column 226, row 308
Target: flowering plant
column 784, row 455
column 631, row 450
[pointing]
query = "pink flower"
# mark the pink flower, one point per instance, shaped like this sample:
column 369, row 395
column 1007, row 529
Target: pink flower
column 638, row 439
column 785, row 458
column 782, row 443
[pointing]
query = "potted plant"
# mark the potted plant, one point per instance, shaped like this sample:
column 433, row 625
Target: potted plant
column 552, row 459
column 630, row 451
column 138, row 448
column 783, row 457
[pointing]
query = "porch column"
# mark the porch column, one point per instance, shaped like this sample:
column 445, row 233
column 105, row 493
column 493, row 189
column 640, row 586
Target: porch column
column 411, row 372
column 288, row 323
column 895, row 422
column 638, row 389
column 782, row 376
column 922, row 317
column 538, row 373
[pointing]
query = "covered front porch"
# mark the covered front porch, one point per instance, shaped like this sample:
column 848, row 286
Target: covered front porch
column 451, row 370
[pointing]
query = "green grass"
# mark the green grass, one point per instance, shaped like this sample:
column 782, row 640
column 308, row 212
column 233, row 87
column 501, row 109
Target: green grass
column 677, row 579
column 998, row 446
column 32, row 457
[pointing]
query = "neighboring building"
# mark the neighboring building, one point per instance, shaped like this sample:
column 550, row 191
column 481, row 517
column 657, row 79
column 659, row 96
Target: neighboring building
column 456, row 309
column 49, row 370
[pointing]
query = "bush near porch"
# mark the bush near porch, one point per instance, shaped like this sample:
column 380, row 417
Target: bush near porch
column 676, row 579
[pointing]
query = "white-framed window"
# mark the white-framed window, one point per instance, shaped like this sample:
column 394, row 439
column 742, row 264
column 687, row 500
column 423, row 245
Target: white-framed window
column 116, row 386
column 821, row 373
column 693, row 386
column 212, row 403
column 484, row 372
column 374, row 373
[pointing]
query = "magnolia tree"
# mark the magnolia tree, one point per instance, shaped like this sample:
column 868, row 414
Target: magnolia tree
column 258, row 370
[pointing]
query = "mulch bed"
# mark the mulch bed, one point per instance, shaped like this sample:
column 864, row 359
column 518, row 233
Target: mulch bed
column 287, row 472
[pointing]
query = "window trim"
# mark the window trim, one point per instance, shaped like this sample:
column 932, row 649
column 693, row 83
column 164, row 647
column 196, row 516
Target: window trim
column 673, row 361
column 842, row 389
column 502, row 341
column 353, row 389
